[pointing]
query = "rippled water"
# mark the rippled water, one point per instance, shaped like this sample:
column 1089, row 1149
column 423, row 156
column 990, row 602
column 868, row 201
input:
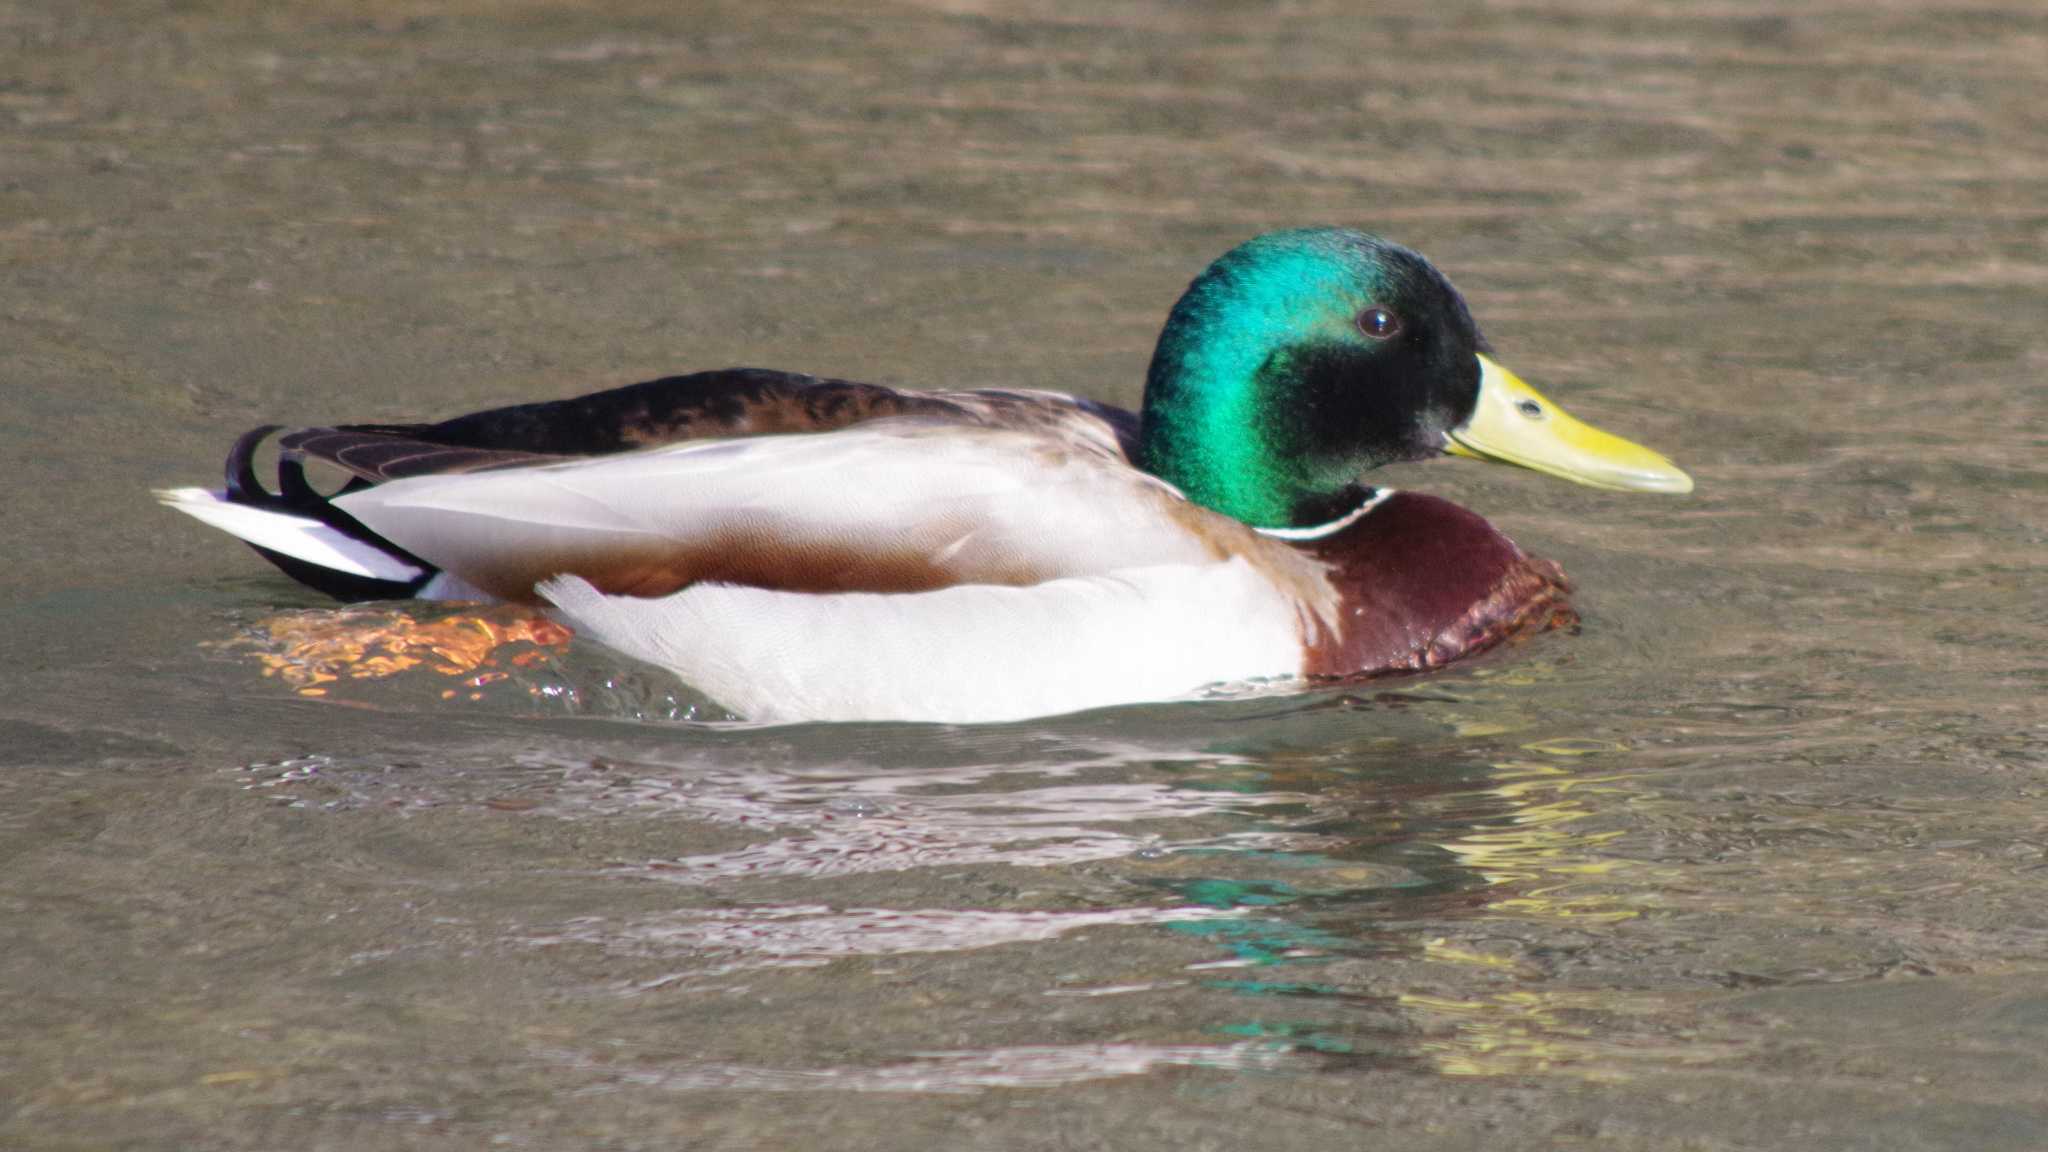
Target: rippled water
column 1757, row 859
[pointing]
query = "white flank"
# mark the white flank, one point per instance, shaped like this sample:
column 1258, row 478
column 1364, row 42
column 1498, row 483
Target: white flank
column 970, row 653
column 300, row 537
column 982, row 501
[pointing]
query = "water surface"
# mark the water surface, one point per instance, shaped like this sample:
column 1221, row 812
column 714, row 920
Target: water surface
column 1756, row 859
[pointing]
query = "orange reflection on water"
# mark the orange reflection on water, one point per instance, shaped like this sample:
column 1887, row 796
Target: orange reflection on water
column 309, row 650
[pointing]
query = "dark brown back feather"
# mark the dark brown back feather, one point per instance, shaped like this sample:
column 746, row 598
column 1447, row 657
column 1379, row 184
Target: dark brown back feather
column 376, row 455
column 704, row 405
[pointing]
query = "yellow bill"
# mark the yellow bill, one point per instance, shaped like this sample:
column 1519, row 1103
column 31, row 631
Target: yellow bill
column 1514, row 424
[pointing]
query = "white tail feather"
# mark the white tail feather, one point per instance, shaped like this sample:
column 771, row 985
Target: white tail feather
column 299, row 537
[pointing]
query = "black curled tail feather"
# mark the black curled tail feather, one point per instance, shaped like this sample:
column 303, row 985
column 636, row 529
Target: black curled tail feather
column 297, row 497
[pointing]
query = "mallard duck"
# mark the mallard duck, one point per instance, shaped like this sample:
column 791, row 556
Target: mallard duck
column 802, row 548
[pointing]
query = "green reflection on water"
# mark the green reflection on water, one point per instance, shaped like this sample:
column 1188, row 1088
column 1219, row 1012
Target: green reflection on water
column 1261, row 942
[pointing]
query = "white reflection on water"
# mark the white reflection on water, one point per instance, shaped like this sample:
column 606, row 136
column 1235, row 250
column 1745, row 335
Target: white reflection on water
column 728, row 940
column 964, row 1072
column 863, row 820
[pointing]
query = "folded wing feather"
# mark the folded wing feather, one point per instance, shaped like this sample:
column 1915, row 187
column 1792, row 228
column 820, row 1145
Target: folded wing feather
column 891, row 506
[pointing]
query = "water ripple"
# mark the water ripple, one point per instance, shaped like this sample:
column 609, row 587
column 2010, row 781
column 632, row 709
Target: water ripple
column 954, row 1072
column 728, row 940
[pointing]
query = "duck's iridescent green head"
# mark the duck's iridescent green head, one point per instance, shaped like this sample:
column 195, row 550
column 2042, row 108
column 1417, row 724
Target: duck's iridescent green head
column 1301, row 359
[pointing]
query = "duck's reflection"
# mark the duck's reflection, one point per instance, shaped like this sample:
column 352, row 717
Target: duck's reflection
column 846, row 821
column 1396, row 878
column 724, row 940
column 1034, row 1066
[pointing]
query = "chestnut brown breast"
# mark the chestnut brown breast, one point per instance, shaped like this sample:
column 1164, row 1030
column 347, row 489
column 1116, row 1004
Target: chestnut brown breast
column 1422, row 582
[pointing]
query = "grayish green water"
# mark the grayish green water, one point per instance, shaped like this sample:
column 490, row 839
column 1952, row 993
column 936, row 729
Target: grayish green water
column 1757, row 860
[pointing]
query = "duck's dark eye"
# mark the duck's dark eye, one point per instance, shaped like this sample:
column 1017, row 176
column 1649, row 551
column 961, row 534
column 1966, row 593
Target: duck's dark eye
column 1378, row 323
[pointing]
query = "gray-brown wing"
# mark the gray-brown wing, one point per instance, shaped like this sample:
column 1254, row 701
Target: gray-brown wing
column 375, row 456
column 727, row 404
column 737, row 402
column 704, row 405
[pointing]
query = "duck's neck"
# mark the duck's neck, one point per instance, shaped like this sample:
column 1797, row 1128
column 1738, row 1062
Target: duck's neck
column 1203, row 432
column 1227, row 416
column 1219, row 424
